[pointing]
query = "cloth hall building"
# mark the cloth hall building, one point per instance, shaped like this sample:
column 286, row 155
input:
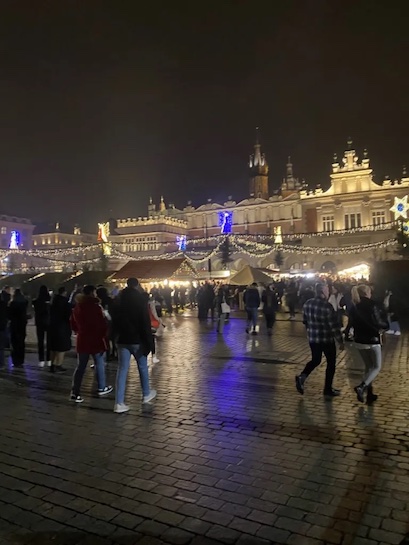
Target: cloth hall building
column 353, row 211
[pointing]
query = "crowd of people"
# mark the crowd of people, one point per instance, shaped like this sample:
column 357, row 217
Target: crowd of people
column 105, row 327
column 125, row 323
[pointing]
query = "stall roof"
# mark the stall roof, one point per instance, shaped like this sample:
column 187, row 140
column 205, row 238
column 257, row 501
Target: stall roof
column 151, row 270
column 248, row 275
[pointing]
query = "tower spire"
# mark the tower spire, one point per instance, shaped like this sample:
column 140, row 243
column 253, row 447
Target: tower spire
column 258, row 172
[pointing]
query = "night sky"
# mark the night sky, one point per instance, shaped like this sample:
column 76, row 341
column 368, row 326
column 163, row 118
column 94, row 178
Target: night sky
column 105, row 103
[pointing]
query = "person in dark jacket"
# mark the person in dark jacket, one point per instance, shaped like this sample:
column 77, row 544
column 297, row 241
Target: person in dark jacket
column 18, row 325
column 90, row 324
column 251, row 298
column 270, row 306
column 6, row 294
column 134, row 338
column 3, row 330
column 60, row 330
column 367, row 321
column 42, row 322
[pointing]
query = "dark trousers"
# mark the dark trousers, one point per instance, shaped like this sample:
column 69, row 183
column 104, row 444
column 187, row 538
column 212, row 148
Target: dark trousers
column 291, row 308
column 42, row 335
column 3, row 344
column 330, row 352
column 270, row 319
column 18, row 346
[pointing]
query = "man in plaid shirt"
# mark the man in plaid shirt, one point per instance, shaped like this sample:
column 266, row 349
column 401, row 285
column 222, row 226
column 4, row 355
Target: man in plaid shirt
column 323, row 329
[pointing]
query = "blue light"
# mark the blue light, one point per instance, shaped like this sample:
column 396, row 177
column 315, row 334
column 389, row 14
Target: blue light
column 225, row 222
column 181, row 242
column 14, row 240
column 400, row 207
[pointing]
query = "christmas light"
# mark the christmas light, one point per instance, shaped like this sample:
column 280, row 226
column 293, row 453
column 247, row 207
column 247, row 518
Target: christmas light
column 400, row 207
column 14, row 240
column 181, row 243
column 225, row 222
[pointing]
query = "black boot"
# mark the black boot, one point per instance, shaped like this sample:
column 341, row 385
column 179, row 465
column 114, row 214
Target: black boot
column 360, row 391
column 371, row 397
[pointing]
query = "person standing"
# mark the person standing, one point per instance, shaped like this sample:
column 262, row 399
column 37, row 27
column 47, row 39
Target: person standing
column 59, row 330
column 366, row 319
column 291, row 299
column 42, row 322
column 323, row 330
column 390, row 308
column 223, row 307
column 18, row 324
column 251, row 298
column 134, row 338
column 3, row 330
column 269, row 299
column 6, row 294
column 89, row 323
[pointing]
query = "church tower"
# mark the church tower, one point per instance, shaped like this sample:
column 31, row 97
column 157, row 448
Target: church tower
column 290, row 184
column 258, row 173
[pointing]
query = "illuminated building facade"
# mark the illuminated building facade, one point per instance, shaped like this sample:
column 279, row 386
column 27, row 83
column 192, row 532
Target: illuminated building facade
column 354, row 210
column 15, row 233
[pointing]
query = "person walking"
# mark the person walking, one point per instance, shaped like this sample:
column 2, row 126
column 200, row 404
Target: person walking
column 367, row 322
column 269, row 299
column 291, row 299
column 89, row 323
column 18, row 324
column 323, row 329
column 59, row 330
column 134, row 338
column 223, row 307
column 251, row 298
column 156, row 325
column 42, row 322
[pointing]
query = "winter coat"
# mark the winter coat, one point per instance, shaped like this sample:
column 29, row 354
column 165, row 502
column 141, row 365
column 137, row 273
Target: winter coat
column 270, row 300
column 4, row 315
column 18, row 313
column 42, row 313
column 59, row 332
column 251, row 297
column 131, row 320
column 367, row 321
column 90, row 325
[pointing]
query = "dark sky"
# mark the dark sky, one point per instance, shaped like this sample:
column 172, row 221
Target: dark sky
column 105, row 103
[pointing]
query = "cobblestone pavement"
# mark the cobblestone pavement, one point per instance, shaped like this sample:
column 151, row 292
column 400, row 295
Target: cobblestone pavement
column 228, row 453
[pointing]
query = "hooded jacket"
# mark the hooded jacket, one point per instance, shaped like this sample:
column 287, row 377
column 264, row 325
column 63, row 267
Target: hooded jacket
column 90, row 325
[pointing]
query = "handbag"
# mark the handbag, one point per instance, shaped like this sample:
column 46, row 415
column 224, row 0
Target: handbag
column 225, row 308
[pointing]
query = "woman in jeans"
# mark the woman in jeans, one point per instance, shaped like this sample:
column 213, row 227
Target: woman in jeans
column 367, row 321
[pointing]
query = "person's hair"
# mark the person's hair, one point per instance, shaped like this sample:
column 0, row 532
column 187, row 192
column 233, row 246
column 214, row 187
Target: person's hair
column 61, row 290
column 43, row 293
column 132, row 282
column 319, row 287
column 88, row 290
column 102, row 292
column 254, row 284
column 360, row 291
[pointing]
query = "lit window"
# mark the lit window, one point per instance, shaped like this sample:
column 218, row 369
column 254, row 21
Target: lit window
column 353, row 221
column 328, row 223
column 378, row 217
column 4, row 230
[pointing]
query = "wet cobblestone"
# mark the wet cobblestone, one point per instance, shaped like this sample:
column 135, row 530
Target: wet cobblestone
column 228, row 452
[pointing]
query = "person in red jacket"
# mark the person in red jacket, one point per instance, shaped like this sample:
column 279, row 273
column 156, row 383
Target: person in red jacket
column 90, row 325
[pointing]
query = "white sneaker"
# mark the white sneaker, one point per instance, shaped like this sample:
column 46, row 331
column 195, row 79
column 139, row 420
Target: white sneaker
column 149, row 397
column 107, row 390
column 390, row 332
column 121, row 408
column 397, row 333
column 41, row 364
column 155, row 359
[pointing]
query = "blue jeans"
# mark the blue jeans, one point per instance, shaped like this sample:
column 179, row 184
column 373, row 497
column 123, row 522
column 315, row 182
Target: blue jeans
column 252, row 316
column 80, row 370
column 125, row 351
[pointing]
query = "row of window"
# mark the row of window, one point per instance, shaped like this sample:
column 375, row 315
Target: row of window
column 353, row 220
column 45, row 241
column 3, row 231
